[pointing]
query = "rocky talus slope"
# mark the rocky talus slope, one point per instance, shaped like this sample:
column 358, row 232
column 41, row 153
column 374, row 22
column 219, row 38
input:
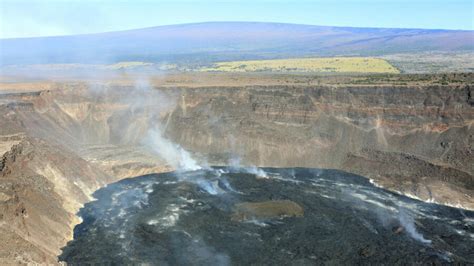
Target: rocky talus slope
column 60, row 143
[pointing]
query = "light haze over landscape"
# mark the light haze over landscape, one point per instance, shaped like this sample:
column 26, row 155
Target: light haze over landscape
column 225, row 132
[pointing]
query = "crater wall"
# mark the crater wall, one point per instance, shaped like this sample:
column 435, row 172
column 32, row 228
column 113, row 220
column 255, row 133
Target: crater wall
column 61, row 142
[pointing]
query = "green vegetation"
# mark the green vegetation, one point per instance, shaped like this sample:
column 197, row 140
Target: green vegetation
column 126, row 65
column 323, row 65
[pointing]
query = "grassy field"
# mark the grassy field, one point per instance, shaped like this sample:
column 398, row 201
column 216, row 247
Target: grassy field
column 323, row 65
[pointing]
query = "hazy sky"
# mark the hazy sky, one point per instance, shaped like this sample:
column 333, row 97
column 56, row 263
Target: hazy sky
column 23, row 18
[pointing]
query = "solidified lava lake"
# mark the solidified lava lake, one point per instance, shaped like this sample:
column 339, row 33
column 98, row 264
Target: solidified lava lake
column 267, row 216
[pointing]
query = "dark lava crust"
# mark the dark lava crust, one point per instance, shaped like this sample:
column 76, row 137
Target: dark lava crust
column 297, row 216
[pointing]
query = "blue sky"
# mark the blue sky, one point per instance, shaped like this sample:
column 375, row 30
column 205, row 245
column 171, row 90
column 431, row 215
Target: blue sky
column 23, row 18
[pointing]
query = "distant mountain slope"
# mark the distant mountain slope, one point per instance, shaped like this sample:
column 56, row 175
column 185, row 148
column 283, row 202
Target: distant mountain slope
column 218, row 41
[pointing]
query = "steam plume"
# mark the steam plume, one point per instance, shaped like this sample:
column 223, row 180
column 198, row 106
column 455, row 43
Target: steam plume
column 409, row 224
column 173, row 153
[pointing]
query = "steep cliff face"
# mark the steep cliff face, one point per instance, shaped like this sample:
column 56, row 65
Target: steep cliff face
column 60, row 144
column 56, row 150
column 416, row 140
column 42, row 187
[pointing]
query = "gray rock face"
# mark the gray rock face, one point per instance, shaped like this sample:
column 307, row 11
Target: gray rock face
column 417, row 140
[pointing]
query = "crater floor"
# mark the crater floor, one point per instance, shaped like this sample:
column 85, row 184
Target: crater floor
column 268, row 216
